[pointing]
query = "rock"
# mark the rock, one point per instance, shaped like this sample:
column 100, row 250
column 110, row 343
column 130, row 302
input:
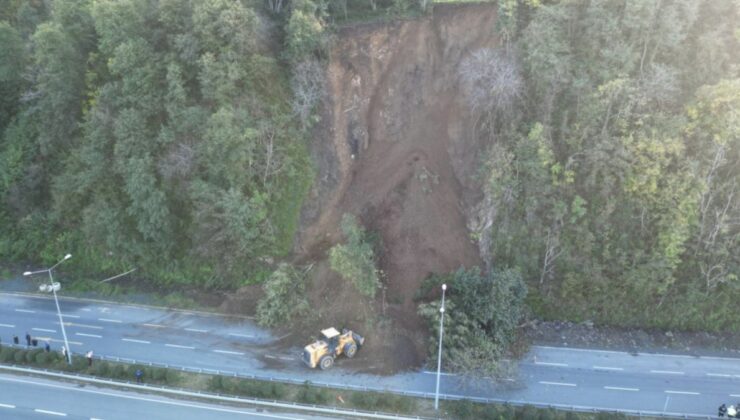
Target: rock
column 588, row 324
column 669, row 334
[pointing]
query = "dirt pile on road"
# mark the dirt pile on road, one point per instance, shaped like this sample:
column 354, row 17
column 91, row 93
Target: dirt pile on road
column 395, row 147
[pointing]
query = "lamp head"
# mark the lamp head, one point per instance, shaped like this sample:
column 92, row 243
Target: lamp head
column 68, row 256
column 26, row 273
column 444, row 286
column 442, row 310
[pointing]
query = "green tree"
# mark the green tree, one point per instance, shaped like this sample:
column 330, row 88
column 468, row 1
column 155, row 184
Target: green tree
column 285, row 297
column 355, row 260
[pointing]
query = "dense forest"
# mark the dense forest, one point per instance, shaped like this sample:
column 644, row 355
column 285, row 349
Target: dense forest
column 171, row 135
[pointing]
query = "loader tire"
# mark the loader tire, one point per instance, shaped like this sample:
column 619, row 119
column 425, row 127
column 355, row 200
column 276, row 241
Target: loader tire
column 350, row 350
column 326, row 362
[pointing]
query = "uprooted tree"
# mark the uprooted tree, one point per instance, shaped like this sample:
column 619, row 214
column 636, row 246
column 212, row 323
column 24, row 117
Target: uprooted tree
column 285, row 297
column 482, row 313
column 355, row 260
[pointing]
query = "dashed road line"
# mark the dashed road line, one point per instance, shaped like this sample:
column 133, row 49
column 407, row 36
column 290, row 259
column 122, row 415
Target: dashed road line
column 153, row 325
column 89, row 335
column 286, row 358
column 44, row 330
column 241, row 335
column 25, row 311
column 682, row 392
column 177, row 346
column 53, row 413
column 557, row 383
column 735, row 395
column 551, row 364
column 54, row 340
column 86, row 309
column 7, row 325
column 74, row 324
column 720, row 375
column 70, row 316
column 7, row 406
column 667, row 372
column 607, row 368
column 131, row 340
column 619, row 388
column 229, row 352
column 117, row 321
column 196, row 330
column 268, row 356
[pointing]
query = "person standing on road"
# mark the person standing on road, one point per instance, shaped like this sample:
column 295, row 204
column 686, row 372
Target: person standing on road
column 722, row 410
column 46, row 347
column 64, row 352
column 15, row 339
column 89, row 356
column 28, row 339
column 139, row 374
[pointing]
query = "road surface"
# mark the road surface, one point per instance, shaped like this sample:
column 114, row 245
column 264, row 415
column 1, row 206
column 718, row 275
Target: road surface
column 560, row 376
column 33, row 398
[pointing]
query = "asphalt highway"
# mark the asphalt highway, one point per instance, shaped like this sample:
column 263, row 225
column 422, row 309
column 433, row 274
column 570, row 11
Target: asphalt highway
column 679, row 384
column 33, row 398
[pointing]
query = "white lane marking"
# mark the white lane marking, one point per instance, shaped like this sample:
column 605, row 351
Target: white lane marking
column 241, row 335
column 682, row 392
column 270, row 357
column 557, row 383
column 95, row 418
column 87, row 309
column 195, row 330
column 735, row 395
column 667, row 372
column 74, row 324
column 720, row 375
column 89, row 335
column 70, row 316
column 26, row 311
column 618, row 388
column 153, row 325
column 441, row 373
column 76, row 343
column 286, row 358
column 228, row 352
column 131, row 340
column 7, row 325
column 177, row 346
column 117, row 321
column 44, row 330
column 53, row 413
column 551, row 364
column 607, row 368
column 7, row 406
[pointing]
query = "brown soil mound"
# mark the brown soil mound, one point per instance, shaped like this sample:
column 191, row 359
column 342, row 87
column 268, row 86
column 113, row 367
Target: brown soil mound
column 395, row 148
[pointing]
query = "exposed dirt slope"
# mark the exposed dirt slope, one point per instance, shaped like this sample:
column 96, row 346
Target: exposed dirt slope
column 394, row 147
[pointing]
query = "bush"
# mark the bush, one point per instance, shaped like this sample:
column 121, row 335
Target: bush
column 172, row 376
column 19, row 356
column 31, row 356
column 159, row 374
column 42, row 358
column 7, row 354
column 310, row 395
column 102, row 369
column 118, row 371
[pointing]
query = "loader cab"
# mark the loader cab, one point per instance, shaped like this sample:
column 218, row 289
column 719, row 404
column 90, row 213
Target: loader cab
column 331, row 336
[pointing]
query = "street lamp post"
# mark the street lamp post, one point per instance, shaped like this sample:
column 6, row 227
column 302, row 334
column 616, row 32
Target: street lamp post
column 439, row 351
column 54, row 291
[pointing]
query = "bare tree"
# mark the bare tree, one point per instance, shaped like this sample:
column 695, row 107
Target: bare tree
column 492, row 81
column 309, row 88
column 275, row 5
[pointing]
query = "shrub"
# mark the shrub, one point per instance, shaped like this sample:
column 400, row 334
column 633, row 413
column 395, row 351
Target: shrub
column 7, row 354
column 159, row 374
column 285, row 297
column 42, row 358
column 118, row 371
column 172, row 376
column 310, row 395
column 19, row 356
column 102, row 369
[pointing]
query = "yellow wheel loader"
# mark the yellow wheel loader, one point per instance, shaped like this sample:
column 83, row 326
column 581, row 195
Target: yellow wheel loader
column 332, row 344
